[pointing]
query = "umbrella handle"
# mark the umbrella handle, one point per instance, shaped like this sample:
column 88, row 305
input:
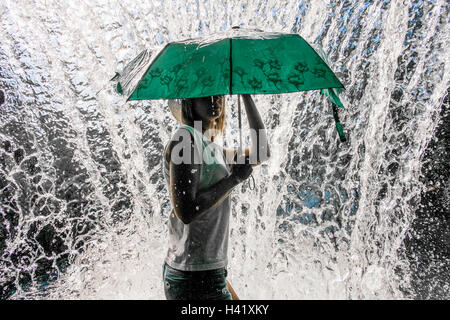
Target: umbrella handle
column 240, row 122
column 240, row 140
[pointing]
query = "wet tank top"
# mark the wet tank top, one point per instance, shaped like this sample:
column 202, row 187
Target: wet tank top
column 203, row 243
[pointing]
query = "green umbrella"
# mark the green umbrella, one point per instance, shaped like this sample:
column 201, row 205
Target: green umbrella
column 239, row 61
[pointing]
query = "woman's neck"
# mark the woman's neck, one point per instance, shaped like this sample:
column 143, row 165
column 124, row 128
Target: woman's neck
column 205, row 125
column 204, row 128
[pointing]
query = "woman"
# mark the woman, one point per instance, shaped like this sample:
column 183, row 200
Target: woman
column 200, row 182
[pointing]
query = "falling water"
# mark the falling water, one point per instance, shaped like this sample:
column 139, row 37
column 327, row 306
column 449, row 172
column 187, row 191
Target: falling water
column 83, row 201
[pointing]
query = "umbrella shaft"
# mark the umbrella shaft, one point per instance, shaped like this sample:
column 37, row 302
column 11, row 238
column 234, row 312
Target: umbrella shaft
column 240, row 122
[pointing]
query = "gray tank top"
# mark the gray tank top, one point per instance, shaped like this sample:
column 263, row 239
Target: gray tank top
column 203, row 243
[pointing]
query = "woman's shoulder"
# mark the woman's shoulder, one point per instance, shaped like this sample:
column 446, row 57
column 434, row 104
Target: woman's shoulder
column 182, row 134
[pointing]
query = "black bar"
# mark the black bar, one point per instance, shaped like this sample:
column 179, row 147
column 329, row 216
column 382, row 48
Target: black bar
column 243, row 309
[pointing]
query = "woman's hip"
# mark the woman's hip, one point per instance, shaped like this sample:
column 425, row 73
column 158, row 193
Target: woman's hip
column 195, row 285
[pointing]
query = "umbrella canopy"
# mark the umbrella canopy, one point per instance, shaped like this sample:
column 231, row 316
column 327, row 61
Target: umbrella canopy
column 238, row 61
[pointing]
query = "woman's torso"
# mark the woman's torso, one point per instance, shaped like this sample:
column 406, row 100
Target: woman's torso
column 203, row 243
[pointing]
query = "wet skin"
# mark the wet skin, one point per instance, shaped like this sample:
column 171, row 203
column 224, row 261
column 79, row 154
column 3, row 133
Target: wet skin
column 205, row 110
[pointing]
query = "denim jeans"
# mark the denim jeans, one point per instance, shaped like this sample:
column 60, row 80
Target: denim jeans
column 195, row 285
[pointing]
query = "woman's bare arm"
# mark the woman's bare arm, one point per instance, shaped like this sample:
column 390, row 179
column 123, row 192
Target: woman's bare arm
column 259, row 150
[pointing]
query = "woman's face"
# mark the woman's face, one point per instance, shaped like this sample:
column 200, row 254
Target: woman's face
column 207, row 108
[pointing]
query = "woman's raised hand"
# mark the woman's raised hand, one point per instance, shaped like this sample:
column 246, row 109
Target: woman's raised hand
column 240, row 172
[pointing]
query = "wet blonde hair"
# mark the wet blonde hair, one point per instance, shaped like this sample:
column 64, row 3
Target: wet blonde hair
column 218, row 125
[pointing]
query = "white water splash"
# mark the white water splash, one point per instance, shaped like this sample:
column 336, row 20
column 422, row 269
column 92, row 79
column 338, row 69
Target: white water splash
column 82, row 181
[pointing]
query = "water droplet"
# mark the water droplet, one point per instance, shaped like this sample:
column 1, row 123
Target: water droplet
column 2, row 97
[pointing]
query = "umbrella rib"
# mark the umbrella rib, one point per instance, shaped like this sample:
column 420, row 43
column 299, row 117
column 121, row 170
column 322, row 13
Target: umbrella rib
column 326, row 64
column 148, row 68
column 231, row 67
